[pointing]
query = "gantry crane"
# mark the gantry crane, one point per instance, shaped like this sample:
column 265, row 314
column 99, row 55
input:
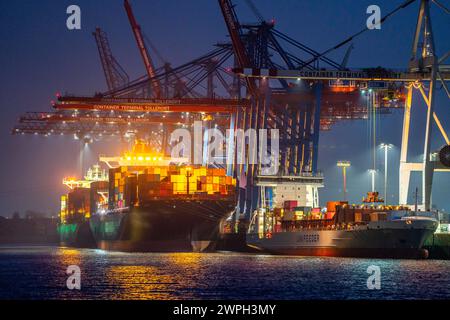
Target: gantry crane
column 115, row 75
column 202, row 105
column 311, row 100
column 424, row 67
column 235, row 32
column 148, row 63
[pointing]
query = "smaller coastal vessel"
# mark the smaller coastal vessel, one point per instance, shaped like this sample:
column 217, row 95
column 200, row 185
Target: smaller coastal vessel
column 367, row 230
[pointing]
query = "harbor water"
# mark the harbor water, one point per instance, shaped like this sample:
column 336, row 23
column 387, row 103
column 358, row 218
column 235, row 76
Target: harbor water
column 40, row 273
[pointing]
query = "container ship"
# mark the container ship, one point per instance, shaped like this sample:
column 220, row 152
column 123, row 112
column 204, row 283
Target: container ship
column 85, row 197
column 147, row 202
column 290, row 225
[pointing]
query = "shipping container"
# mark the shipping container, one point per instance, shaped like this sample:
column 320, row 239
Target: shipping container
column 278, row 212
column 153, row 182
column 290, row 204
column 330, row 215
column 331, row 205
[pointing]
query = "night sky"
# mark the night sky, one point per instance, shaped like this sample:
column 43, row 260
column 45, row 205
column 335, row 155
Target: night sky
column 39, row 56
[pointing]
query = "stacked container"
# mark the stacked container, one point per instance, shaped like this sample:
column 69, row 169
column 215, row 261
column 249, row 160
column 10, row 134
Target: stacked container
column 154, row 183
column 290, row 204
column 202, row 181
column 78, row 205
column 117, row 187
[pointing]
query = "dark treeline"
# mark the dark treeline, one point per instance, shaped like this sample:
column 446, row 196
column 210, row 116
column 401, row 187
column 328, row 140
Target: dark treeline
column 31, row 227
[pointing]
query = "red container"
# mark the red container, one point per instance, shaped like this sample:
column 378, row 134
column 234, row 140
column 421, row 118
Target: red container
column 290, row 204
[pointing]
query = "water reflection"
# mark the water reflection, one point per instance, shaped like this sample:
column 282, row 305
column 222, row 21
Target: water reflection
column 40, row 273
column 69, row 256
column 186, row 259
column 153, row 281
column 140, row 282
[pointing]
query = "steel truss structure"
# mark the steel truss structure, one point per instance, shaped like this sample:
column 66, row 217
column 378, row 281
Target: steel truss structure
column 263, row 79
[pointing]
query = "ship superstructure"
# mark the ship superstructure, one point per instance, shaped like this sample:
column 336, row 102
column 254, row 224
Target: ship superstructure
column 86, row 196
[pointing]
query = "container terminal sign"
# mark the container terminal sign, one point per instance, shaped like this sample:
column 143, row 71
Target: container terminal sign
column 146, row 107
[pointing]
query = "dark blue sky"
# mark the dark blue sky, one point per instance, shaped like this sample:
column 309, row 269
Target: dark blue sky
column 39, row 56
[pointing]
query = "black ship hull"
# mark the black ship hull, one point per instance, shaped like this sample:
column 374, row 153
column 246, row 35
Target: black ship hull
column 159, row 226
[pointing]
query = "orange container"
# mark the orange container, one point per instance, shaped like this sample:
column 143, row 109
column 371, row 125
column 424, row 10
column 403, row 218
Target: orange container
column 331, row 205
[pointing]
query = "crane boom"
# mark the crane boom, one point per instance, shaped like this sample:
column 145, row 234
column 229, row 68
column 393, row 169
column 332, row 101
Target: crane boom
column 149, row 67
column 234, row 29
column 115, row 75
column 347, row 56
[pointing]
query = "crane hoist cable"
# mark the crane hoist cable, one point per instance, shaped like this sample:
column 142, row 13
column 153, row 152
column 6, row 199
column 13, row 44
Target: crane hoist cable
column 255, row 10
column 440, row 5
column 402, row 6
